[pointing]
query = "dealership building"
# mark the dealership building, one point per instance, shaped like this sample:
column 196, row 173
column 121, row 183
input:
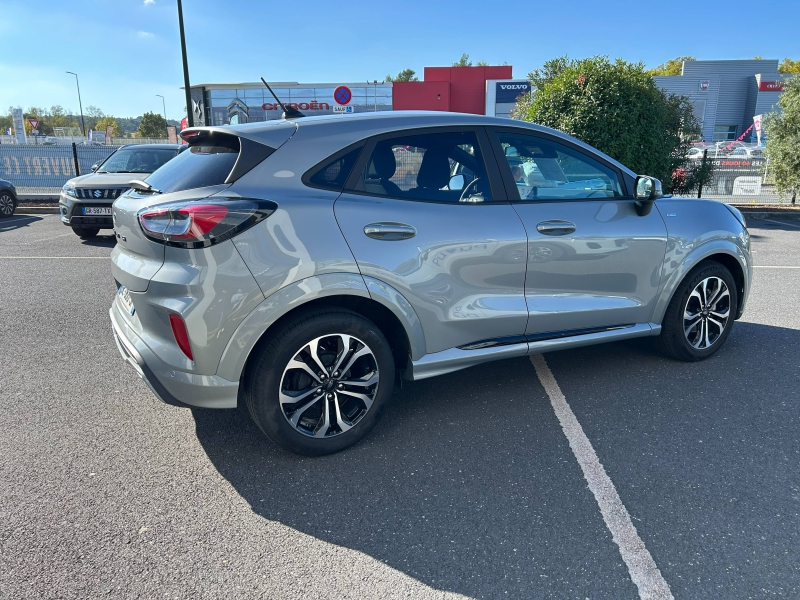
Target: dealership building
column 476, row 90
column 726, row 95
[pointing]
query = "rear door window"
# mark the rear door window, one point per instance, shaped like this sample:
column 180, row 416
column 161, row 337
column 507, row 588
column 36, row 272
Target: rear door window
column 439, row 167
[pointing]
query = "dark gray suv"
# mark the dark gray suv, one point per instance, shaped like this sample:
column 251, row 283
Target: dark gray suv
column 298, row 265
column 85, row 201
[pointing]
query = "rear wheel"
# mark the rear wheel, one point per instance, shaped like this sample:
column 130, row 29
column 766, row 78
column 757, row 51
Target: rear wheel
column 700, row 315
column 7, row 204
column 321, row 383
column 86, row 233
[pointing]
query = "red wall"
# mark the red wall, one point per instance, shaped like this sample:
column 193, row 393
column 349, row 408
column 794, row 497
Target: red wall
column 421, row 95
column 457, row 89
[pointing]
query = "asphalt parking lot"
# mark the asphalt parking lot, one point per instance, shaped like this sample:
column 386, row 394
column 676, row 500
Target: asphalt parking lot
column 468, row 486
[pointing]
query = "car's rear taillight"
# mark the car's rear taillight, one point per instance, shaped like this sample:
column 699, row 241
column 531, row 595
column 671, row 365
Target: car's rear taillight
column 181, row 335
column 201, row 223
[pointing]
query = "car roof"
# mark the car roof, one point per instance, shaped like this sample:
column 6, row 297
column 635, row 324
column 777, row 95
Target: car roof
column 361, row 125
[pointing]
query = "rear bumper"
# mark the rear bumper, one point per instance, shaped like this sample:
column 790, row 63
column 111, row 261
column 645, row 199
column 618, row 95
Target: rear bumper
column 171, row 386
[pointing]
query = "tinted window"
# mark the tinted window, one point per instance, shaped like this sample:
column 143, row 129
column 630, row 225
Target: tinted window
column 442, row 167
column 545, row 170
column 198, row 166
column 334, row 174
column 137, row 160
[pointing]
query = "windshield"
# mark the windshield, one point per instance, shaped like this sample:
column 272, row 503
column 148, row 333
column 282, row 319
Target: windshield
column 137, row 160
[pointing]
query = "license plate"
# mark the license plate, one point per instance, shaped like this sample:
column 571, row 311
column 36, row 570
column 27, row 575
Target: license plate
column 97, row 210
column 125, row 299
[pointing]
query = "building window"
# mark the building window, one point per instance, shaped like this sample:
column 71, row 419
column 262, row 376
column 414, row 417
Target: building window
column 725, row 133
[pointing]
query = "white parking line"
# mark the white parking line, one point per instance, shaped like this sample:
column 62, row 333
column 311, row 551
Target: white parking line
column 782, row 223
column 641, row 566
column 774, row 267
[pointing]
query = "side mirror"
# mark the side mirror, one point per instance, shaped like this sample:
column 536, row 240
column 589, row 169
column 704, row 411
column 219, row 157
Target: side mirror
column 456, row 182
column 646, row 190
column 95, row 166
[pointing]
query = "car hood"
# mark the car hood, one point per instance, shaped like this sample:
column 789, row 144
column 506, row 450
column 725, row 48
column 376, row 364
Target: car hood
column 99, row 180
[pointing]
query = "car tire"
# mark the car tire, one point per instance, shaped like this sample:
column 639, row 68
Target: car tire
column 700, row 315
column 278, row 374
column 8, row 204
column 86, row 233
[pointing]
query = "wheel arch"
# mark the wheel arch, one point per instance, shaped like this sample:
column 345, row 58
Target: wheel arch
column 344, row 291
column 730, row 256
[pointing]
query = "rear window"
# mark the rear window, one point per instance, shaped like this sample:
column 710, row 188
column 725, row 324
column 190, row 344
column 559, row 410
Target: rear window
column 197, row 166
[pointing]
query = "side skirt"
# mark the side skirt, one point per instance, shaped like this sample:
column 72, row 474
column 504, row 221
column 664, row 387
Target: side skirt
column 455, row 359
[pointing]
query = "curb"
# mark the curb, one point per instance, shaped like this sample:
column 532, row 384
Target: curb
column 36, row 210
column 785, row 215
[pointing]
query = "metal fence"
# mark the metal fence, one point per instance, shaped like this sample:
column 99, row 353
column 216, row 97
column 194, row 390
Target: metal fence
column 739, row 178
column 45, row 169
column 42, row 140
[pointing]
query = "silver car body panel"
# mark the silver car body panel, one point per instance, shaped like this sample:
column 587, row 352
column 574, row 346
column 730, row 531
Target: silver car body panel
column 699, row 229
column 460, row 280
column 463, row 272
column 253, row 327
column 605, row 273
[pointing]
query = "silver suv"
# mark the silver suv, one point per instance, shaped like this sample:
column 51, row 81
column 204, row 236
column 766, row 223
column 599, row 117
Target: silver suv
column 298, row 265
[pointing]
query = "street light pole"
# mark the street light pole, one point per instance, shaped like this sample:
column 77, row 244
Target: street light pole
column 164, row 104
column 189, row 114
column 374, row 85
column 83, row 125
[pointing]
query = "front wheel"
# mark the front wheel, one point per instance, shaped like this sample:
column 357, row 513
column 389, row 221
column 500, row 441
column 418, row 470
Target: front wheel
column 700, row 315
column 7, row 204
column 321, row 383
column 86, row 233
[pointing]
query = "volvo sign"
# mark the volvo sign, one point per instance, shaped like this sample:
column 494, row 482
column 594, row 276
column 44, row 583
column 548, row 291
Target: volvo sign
column 507, row 92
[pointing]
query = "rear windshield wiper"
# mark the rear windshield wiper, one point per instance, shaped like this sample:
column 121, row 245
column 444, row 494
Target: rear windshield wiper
column 143, row 186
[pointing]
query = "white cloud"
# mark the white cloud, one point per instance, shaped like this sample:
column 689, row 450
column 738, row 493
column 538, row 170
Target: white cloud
column 146, row 2
column 145, row 34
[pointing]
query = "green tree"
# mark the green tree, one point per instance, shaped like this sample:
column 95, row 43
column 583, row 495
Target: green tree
column 404, row 75
column 101, row 125
column 617, row 108
column 789, row 66
column 671, row 67
column 464, row 61
column 152, row 125
column 482, row 63
column 783, row 139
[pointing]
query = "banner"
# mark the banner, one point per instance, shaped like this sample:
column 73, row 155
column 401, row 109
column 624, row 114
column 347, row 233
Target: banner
column 19, row 126
column 757, row 124
column 172, row 134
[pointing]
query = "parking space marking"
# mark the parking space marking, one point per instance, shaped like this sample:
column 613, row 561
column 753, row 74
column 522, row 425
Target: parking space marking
column 782, row 223
column 641, row 566
column 774, row 267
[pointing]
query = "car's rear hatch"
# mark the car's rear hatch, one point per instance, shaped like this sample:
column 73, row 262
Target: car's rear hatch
column 216, row 157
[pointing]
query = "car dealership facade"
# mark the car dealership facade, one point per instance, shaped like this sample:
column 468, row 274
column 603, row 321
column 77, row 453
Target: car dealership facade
column 726, row 95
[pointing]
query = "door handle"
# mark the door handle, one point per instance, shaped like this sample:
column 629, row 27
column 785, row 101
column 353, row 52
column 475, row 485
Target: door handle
column 555, row 227
column 389, row 231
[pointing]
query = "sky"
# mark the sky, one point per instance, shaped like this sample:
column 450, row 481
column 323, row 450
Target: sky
column 127, row 51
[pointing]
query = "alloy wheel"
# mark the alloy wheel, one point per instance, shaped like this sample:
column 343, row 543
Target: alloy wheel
column 706, row 313
column 6, row 204
column 329, row 385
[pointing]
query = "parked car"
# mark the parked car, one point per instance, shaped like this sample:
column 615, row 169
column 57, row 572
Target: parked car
column 85, row 201
column 745, row 152
column 288, row 264
column 8, row 199
column 695, row 153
